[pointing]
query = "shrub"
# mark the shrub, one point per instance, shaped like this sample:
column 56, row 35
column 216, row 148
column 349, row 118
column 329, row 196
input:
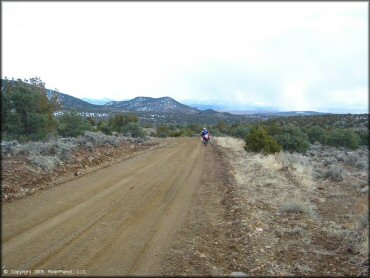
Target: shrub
column 46, row 163
column 7, row 147
column 186, row 132
column 293, row 160
column 297, row 206
column 27, row 113
column 292, row 139
column 335, row 173
column 133, row 130
column 259, row 141
column 71, row 124
column 90, row 146
column 240, row 132
column 316, row 134
column 364, row 137
column 98, row 139
column 119, row 121
column 343, row 138
column 352, row 159
column 329, row 161
column 104, row 127
column 163, row 131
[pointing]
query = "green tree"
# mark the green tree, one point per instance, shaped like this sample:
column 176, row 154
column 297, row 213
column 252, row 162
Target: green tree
column 222, row 126
column 71, row 124
column 240, row 131
column 292, row 139
column 343, row 138
column 364, row 137
column 134, row 130
column 104, row 127
column 316, row 133
column 119, row 121
column 258, row 140
column 163, row 131
column 27, row 112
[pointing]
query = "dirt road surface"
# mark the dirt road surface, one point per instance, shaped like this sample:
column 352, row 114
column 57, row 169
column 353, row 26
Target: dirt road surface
column 119, row 220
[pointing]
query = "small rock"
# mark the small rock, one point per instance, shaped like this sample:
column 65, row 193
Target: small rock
column 238, row 274
column 365, row 189
column 260, row 230
column 256, row 268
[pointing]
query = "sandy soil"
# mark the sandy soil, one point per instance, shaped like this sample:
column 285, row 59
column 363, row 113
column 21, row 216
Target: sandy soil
column 118, row 220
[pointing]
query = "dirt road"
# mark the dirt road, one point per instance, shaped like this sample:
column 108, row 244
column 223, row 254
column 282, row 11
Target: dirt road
column 119, row 220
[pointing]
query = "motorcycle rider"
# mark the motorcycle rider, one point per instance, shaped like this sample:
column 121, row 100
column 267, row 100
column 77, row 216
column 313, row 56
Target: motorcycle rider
column 204, row 135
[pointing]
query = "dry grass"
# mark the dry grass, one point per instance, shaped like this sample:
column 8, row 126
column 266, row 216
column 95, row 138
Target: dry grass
column 298, row 200
column 230, row 143
column 297, row 206
column 50, row 154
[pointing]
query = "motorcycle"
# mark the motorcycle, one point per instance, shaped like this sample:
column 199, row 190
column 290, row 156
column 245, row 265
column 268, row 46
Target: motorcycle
column 206, row 139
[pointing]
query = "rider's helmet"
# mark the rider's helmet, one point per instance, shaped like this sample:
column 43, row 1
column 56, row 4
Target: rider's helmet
column 204, row 128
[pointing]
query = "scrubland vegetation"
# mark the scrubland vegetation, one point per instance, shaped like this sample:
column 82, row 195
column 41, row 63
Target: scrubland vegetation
column 304, row 214
column 28, row 115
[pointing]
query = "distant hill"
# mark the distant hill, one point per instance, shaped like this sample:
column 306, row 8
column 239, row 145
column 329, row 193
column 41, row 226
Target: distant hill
column 101, row 101
column 146, row 104
column 164, row 110
column 72, row 103
column 290, row 113
column 68, row 102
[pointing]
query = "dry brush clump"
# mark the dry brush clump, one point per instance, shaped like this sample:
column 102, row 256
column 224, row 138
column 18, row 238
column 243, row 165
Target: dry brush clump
column 45, row 162
column 339, row 164
column 50, row 154
column 335, row 173
column 297, row 206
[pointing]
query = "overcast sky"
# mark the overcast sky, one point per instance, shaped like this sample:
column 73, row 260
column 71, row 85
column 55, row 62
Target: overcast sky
column 289, row 55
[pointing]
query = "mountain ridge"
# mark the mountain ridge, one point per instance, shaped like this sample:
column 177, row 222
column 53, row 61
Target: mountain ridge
column 146, row 104
column 162, row 109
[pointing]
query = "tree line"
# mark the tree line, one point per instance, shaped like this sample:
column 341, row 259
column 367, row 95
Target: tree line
column 29, row 114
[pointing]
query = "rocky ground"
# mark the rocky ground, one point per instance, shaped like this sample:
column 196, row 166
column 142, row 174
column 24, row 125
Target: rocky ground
column 303, row 214
column 283, row 214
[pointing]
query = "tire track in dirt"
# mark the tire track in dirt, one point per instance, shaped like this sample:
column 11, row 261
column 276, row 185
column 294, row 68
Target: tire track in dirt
column 100, row 178
column 117, row 220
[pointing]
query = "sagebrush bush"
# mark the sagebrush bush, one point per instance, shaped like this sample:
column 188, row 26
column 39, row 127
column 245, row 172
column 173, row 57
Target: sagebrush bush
column 98, row 139
column 258, row 140
column 46, row 163
column 292, row 231
column 329, row 161
column 335, row 173
column 7, row 147
column 297, row 206
column 352, row 159
column 89, row 146
column 293, row 159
